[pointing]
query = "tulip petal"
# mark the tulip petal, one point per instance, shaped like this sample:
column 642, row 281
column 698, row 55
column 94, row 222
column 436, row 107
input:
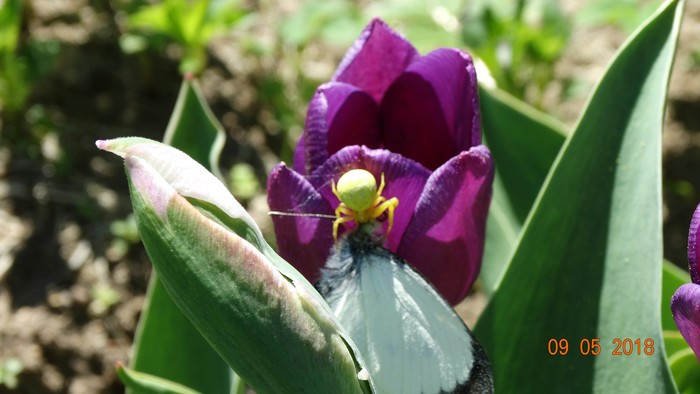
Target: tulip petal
column 431, row 111
column 445, row 238
column 693, row 250
column 339, row 115
column 376, row 58
column 685, row 305
column 300, row 156
column 403, row 178
column 302, row 240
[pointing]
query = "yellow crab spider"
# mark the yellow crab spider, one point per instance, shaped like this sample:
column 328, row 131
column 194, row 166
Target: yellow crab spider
column 360, row 200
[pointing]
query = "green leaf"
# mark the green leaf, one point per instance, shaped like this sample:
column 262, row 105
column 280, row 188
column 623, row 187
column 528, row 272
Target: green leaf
column 193, row 128
column 166, row 341
column 262, row 316
column 153, row 17
column 588, row 263
column 502, row 233
column 524, row 143
column 674, row 343
column 143, row 383
column 192, row 18
column 686, row 371
column 275, row 331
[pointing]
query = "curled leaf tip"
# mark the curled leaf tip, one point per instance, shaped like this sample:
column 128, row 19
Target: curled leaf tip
column 149, row 184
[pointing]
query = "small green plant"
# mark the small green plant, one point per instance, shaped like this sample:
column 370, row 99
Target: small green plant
column 189, row 23
column 103, row 297
column 125, row 235
column 519, row 42
column 9, row 371
column 242, row 181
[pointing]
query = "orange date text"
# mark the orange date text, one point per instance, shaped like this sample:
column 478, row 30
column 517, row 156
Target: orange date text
column 593, row 347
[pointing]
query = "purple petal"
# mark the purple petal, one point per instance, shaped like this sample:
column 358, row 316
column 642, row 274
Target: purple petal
column 376, row 58
column 431, row 111
column 445, row 238
column 693, row 249
column 403, row 178
column 303, row 241
column 685, row 305
column 339, row 115
column 299, row 161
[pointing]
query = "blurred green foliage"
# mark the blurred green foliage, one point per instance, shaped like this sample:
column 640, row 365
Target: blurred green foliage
column 14, row 86
column 189, row 23
column 9, row 370
column 243, row 183
column 519, row 42
column 334, row 22
column 22, row 63
column 125, row 235
column 695, row 59
column 626, row 14
column 103, row 297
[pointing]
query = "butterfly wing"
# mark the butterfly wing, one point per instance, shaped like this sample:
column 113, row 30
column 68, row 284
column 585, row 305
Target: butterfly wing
column 411, row 339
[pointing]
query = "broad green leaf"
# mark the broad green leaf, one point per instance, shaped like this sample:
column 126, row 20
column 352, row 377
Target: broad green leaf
column 193, row 128
column 686, row 371
column 524, row 143
column 502, row 232
column 166, row 341
column 588, row 263
column 275, row 330
column 673, row 278
column 674, row 343
column 143, row 383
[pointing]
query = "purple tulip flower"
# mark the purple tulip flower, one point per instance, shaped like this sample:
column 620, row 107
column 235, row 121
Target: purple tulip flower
column 685, row 303
column 415, row 119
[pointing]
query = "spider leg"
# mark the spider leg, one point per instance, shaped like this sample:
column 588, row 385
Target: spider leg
column 337, row 222
column 344, row 214
column 381, row 186
column 373, row 212
column 343, row 209
column 389, row 206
